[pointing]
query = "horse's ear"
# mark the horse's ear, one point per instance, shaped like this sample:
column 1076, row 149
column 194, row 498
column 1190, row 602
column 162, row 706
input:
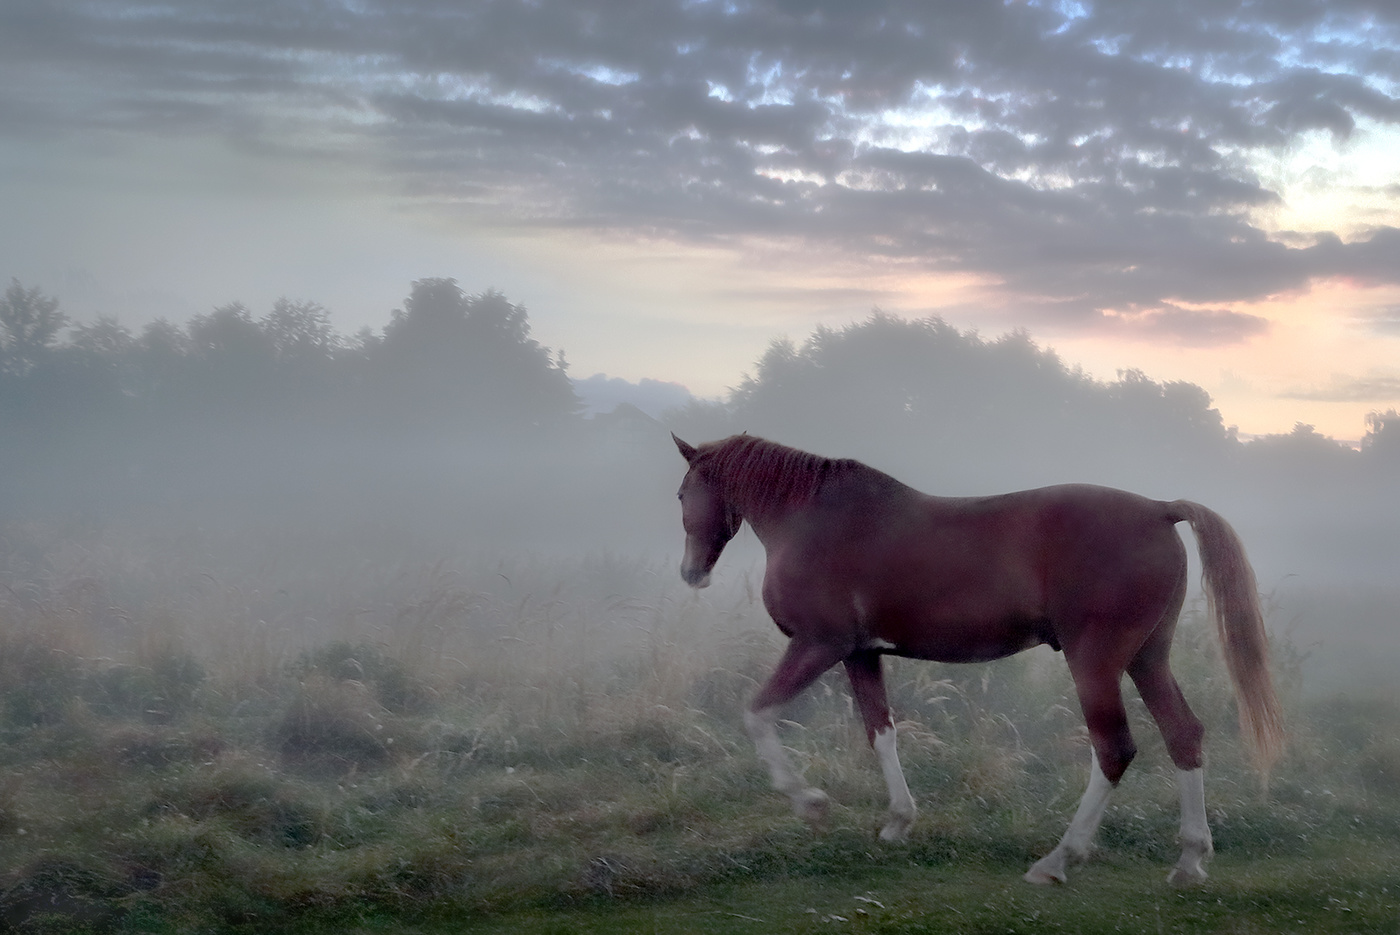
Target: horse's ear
column 687, row 451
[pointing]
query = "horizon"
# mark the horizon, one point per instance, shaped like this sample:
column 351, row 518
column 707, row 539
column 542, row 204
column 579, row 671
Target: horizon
column 654, row 395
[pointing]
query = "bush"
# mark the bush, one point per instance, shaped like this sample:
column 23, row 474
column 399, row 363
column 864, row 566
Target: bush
column 39, row 680
column 156, row 691
column 390, row 681
column 336, row 725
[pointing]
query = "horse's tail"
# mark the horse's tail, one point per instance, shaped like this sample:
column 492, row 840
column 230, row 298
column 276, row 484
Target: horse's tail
column 1233, row 599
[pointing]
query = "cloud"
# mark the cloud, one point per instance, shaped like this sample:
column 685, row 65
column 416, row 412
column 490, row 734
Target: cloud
column 1379, row 388
column 1188, row 327
column 813, row 298
column 1092, row 156
column 1384, row 320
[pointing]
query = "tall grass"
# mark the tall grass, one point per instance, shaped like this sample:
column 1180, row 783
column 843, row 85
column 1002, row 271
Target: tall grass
column 183, row 749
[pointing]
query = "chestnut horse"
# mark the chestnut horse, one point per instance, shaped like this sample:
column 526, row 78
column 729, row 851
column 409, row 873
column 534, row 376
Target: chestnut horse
column 860, row 566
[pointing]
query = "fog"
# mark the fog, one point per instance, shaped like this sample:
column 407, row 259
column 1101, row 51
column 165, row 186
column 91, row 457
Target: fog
column 260, row 462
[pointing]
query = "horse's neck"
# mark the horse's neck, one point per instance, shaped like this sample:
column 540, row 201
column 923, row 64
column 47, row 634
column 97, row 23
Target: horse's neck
column 765, row 505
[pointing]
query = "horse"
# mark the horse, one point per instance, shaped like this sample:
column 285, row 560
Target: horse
column 860, row 566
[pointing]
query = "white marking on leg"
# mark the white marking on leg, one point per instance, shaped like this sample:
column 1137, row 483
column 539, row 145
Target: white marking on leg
column 1078, row 837
column 902, row 807
column 878, row 644
column 810, row 804
column 1196, row 845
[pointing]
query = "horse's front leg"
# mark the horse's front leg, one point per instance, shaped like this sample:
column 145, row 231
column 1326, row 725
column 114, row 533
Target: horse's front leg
column 868, row 684
column 801, row 665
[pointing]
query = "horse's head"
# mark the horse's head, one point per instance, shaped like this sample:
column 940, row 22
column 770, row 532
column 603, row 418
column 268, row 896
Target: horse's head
column 710, row 521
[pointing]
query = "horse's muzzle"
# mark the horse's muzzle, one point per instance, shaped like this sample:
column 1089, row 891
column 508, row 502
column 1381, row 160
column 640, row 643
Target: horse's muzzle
column 695, row 577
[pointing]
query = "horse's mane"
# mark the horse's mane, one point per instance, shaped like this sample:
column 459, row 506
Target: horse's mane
column 758, row 475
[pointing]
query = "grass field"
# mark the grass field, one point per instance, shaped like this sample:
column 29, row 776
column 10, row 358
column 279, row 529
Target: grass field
column 552, row 747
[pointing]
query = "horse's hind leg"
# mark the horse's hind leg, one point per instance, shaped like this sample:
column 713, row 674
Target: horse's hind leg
column 1182, row 731
column 1196, row 846
column 868, row 683
column 801, row 665
column 1080, row 834
column 1102, row 701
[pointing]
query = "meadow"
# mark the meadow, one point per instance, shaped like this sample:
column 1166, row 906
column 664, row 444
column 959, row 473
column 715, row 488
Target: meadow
column 536, row 744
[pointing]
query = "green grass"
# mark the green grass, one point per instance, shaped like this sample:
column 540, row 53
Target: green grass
column 1314, row 894
column 560, row 756
column 1319, row 893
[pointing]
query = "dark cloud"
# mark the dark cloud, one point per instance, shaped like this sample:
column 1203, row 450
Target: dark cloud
column 1092, row 157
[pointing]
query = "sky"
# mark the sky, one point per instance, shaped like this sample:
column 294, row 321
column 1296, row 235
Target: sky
column 1205, row 190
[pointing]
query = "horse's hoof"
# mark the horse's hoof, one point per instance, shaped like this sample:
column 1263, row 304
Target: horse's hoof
column 1046, row 872
column 896, row 828
column 1183, row 877
column 811, row 806
column 1190, row 869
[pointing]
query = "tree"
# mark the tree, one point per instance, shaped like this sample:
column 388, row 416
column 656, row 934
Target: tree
column 29, row 323
column 299, row 331
column 228, row 334
column 96, row 368
column 1382, row 441
column 451, row 359
column 106, row 338
column 956, row 412
column 1303, row 455
column 160, row 358
column 235, row 362
column 918, row 397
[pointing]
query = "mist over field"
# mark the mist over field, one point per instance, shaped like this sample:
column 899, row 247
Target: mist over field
column 262, row 450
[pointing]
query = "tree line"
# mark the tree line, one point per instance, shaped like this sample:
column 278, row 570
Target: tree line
column 921, row 392
column 446, row 360
column 450, row 365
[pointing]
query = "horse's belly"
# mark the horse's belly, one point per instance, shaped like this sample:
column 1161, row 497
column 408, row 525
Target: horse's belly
column 975, row 632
